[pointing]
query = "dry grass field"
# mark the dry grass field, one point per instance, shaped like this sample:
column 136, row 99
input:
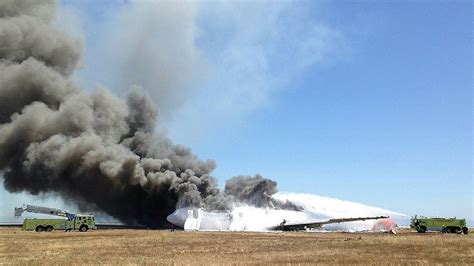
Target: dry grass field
column 178, row 247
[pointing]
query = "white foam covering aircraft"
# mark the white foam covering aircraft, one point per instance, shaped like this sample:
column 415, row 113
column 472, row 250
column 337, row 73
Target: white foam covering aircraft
column 336, row 215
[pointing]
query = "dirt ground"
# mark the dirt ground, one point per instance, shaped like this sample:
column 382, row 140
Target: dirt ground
column 178, row 247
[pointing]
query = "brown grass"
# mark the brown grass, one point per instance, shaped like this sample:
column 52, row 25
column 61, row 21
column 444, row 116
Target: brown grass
column 178, row 247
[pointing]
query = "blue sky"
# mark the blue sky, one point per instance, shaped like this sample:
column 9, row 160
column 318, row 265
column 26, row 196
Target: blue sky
column 359, row 100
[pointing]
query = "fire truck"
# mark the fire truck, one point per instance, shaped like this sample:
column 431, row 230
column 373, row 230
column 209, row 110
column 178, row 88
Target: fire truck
column 446, row 225
column 69, row 221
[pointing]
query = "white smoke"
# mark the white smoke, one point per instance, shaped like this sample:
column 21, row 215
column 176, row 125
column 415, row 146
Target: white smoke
column 327, row 207
column 321, row 207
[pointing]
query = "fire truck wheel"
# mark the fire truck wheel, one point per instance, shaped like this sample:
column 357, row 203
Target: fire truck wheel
column 83, row 228
column 49, row 228
column 421, row 229
column 39, row 228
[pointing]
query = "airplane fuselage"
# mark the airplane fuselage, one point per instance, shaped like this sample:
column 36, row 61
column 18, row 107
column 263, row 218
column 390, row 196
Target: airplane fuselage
column 239, row 219
column 247, row 218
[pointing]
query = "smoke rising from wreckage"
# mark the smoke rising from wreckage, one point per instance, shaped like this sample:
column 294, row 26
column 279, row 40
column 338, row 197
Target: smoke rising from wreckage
column 93, row 148
column 100, row 151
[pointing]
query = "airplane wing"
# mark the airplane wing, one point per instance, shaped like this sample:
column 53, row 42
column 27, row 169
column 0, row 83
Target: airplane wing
column 284, row 226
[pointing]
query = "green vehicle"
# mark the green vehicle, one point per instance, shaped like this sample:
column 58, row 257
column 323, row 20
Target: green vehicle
column 446, row 225
column 81, row 223
column 68, row 222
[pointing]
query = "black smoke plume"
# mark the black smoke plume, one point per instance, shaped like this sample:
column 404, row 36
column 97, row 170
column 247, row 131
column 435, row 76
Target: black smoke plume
column 256, row 191
column 93, row 148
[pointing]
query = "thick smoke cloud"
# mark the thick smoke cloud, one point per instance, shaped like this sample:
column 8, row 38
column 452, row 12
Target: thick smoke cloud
column 92, row 147
column 153, row 43
column 256, row 191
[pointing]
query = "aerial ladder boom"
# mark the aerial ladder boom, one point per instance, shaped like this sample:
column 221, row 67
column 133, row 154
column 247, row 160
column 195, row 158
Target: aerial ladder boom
column 44, row 210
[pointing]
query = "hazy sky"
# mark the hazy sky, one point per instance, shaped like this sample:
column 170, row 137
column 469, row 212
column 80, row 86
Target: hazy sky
column 367, row 101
